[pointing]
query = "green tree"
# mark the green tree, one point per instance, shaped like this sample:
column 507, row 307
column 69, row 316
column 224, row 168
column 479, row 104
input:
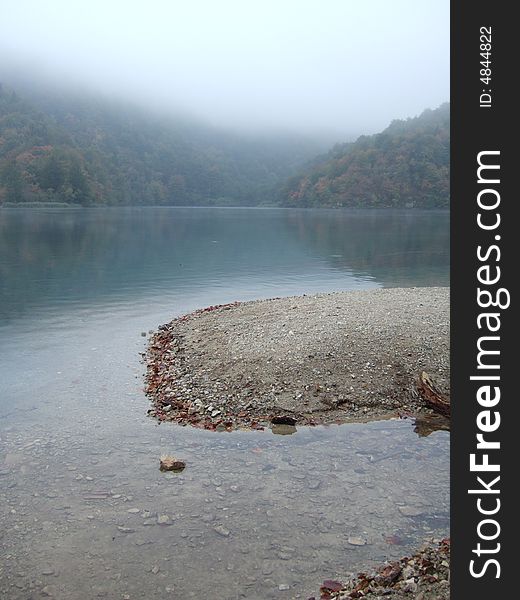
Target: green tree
column 12, row 181
column 52, row 175
column 77, row 180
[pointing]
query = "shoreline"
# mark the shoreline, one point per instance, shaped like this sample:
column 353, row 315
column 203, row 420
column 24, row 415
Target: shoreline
column 306, row 360
column 423, row 576
column 359, row 209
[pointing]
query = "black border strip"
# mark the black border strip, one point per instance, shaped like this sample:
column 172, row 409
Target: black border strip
column 479, row 126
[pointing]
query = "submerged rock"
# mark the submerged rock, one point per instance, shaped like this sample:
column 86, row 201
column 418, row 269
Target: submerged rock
column 411, row 511
column 125, row 529
column 356, row 541
column 164, row 520
column 221, row 530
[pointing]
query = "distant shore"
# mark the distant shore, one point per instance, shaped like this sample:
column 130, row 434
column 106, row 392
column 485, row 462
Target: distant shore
column 318, row 359
column 39, row 205
column 356, row 209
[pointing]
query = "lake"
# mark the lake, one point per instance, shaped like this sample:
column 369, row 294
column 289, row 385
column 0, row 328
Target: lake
column 85, row 511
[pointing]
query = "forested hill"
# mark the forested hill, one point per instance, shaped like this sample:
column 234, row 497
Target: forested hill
column 87, row 151
column 83, row 150
column 407, row 165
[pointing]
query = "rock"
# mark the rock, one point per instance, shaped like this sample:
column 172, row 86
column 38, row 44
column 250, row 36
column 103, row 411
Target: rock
column 388, row 574
column 164, row 520
column 125, row 529
column 155, row 569
column 284, row 587
column 410, row 586
column 208, row 518
column 133, row 511
column 96, row 496
column 408, row 572
column 221, row 530
column 170, row 463
column 410, row 511
column 393, row 539
column 331, row 585
column 356, row 541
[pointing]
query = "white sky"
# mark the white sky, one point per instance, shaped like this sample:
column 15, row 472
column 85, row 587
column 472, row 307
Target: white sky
column 312, row 66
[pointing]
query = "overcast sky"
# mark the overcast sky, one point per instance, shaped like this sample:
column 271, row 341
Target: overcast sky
column 345, row 66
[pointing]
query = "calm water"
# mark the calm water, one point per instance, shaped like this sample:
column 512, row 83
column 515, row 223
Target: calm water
column 83, row 505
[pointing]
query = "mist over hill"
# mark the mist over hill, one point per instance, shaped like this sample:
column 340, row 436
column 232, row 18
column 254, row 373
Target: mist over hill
column 87, row 150
column 407, row 165
column 90, row 151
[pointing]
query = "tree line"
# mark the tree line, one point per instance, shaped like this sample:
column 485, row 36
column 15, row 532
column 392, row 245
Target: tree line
column 407, row 165
column 84, row 151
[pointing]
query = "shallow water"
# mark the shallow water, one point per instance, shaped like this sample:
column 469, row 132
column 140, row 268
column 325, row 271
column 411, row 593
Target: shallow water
column 254, row 515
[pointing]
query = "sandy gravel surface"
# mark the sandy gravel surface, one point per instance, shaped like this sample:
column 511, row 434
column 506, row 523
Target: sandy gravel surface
column 311, row 359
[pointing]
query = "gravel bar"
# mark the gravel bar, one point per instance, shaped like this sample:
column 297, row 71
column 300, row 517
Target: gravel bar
column 306, row 360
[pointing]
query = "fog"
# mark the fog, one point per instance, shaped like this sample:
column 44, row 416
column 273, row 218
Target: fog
column 339, row 67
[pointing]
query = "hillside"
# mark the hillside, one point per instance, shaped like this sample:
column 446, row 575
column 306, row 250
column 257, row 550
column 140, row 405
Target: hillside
column 407, row 165
column 87, row 151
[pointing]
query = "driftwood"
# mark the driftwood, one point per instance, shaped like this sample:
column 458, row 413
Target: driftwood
column 433, row 397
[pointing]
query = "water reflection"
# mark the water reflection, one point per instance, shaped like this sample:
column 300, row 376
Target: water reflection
column 427, row 424
column 280, row 429
column 398, row 248
column 76, row 257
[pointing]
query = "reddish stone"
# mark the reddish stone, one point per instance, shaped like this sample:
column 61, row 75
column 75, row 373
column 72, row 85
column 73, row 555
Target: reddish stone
column 331, row 585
